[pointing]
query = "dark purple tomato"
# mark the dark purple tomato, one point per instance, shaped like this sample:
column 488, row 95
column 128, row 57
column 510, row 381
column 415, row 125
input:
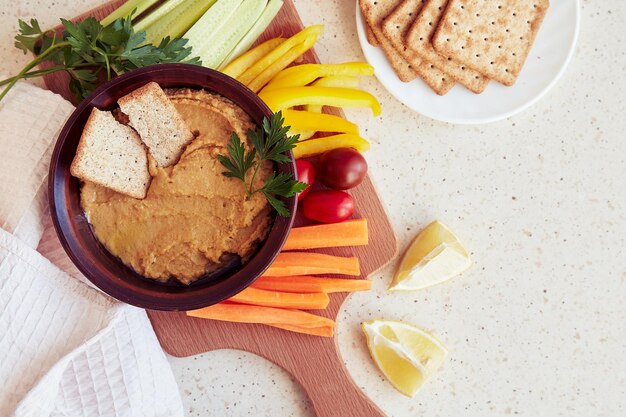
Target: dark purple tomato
column 342, row 168
column 306, row 174
column 328, row 206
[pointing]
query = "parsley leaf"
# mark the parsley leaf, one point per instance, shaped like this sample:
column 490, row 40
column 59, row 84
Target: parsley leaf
column 89, row 51
column 269, row 143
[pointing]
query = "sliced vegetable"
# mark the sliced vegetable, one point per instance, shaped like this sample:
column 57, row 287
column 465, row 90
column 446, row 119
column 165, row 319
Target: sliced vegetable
column 328, row 206
column 309, row 263
column 138, row 6
column 302, row 75
column 348, row 233
column 307, row 284
column 320, row 145
column 279, row 317
column 342, row 168
column 344, row 81
column 313, row 108
column 284, row 98
column 306, row 174
column 260, row 66
column 260, row 297
column 268, row 14
column 324, row 331
column 214, row 40
column 173, row 18
column 245, row 61
column 320, row 122
column 202, row 32
column 303, row 134
column 290, row 56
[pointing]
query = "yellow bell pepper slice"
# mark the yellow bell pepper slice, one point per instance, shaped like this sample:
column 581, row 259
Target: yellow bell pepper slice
column 304, row 134
column 317, row 146
column 319, row 122
column 284, row 98
column 281, row 63
column 300, row 75
column 313, row 108
column 261, row 65
column 239, row 65
column 345, row 81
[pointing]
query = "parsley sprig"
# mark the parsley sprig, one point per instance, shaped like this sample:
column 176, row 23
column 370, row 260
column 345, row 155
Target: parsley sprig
column 86, row 50
column 269, row 143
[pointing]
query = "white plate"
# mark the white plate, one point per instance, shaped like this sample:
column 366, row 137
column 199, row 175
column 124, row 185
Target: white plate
column 548, row 58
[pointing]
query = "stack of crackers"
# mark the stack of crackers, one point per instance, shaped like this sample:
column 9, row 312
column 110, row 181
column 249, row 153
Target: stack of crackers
column 445, row 42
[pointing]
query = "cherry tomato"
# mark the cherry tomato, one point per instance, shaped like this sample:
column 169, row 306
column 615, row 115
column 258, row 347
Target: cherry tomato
column 342, row 168
column 306, row 174
column 328, row 206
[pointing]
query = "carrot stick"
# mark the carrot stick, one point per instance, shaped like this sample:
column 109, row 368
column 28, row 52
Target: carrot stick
column 261, row 297
column 309, row 263
column 242, row 313
column 307, row 284
column 347, row 233
column 325, row 331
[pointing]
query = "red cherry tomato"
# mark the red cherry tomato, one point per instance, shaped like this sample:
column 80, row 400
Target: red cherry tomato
column 328, row 206
column 306, row 174
column 342, row 168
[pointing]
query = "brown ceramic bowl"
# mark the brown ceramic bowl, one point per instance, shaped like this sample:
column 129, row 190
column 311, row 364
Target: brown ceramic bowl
column 105, row 270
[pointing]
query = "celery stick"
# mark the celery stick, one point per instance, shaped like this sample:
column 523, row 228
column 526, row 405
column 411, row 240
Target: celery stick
column 270, row 12
column 172, row 19
column 214, row 49
column 125, row 9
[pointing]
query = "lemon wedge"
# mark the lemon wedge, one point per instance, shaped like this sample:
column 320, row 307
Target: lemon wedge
column 435, row 256
column 406, row 355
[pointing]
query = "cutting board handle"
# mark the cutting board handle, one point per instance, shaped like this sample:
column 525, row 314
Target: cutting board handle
column 330, row 388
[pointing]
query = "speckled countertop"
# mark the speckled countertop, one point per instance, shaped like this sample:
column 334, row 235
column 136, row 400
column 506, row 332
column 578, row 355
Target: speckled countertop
column 538, row 326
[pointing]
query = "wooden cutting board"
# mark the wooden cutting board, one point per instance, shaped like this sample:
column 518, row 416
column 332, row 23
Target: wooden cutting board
column 313, row 361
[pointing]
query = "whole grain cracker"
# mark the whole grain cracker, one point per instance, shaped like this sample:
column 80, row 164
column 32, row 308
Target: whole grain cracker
column 418, row 41
column 374, row 12
column 395, row 28
column 492, row 37
column 157, row 121
column 112, row 155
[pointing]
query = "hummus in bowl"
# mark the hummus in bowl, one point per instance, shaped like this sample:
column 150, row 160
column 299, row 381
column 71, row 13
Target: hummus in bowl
column 194, row 220
column 194, row 240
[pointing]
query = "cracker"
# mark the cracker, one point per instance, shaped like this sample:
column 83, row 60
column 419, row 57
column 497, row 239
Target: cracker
column 395, row 28
column 374, row 12
column 492, row 37
column 112, row 155
column 369, row 34
column 418, row 40
column 157, row 121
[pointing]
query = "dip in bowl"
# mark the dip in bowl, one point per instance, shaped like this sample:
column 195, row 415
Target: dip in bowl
column 209, row 244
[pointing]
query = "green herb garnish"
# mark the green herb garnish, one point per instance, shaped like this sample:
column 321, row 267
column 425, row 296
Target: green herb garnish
column 269, row 143
column 87, row 49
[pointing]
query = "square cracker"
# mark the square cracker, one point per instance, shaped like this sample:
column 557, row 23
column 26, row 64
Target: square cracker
column 418, row 40
column 111, row 154
column 374, row 12
column 157, row 121
column 395, row 28
column 369, row 34
column 493, row 37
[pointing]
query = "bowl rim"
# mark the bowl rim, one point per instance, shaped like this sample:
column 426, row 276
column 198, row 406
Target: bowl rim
column 189, row 297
